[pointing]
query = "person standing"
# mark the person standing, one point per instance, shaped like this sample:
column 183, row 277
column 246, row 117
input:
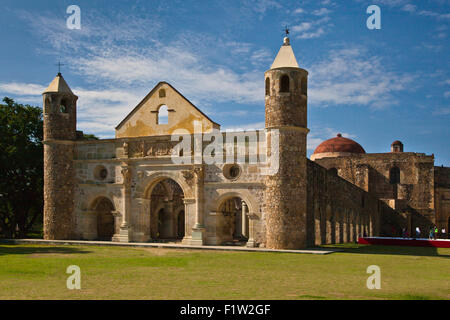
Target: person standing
column 435, row 232
column 431, row 235
column 417, row 232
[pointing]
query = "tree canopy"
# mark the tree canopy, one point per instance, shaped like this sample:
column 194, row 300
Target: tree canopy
column 21, row 167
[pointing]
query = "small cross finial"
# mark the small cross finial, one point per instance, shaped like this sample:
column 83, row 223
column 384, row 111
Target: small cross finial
column 286, row 31
column 59, row 64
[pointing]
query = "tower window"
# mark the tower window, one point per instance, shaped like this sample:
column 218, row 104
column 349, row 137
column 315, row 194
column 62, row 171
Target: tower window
column 162, row 93
column 284, row 84
column 394, row 175
column 163, row 115
column 63, row 107
column 268, row 87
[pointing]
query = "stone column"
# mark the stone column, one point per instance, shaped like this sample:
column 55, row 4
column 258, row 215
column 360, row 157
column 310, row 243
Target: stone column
column 142, row 227
column 351, row 226
column 188, row 204
column 198, row 231
column 244, row 219
column 345, row 226
column 126, row 192
column 338, row 228
column 317, row 234
column 117, row 217
column 251, row 237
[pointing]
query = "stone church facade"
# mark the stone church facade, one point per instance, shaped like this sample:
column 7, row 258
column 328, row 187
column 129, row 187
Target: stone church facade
column 152, row 182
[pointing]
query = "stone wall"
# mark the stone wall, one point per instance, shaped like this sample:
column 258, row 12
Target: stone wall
column 339, row 211
column 413, row 197
column 442, row 198
column 149, row 161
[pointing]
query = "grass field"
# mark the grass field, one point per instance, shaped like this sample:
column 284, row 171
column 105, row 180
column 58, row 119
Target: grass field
column 39, row 272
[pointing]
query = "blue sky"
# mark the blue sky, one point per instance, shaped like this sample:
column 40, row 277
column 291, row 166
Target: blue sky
column 374, row 86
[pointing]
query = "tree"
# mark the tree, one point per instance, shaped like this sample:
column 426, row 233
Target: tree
column 21, row 168
column 87, row 136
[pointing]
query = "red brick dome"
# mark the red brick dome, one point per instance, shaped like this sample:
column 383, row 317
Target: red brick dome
column 339, row 144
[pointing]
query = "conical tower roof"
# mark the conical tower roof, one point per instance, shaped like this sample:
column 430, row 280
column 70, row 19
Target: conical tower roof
column 285, row 57
column 58, row 85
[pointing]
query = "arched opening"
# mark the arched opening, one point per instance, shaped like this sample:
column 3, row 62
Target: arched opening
column 267, row 86
column 162, row 93
column 284, row 83
column 166, row 224
column 394, row 175
column 163, row 115
column 104, row 209
column 235, row 223
column 64, row 106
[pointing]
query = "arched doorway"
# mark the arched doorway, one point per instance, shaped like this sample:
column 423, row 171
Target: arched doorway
column 165, row 197
column 105, row 219
column 235, row 224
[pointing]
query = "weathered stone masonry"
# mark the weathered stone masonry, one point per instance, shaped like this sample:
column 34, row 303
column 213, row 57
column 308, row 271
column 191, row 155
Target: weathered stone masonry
column 131, row 189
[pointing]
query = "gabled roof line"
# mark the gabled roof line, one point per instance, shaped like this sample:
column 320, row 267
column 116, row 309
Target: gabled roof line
column 150, row 93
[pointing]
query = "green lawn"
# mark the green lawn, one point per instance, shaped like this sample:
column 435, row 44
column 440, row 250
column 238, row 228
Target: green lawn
column 38, row 272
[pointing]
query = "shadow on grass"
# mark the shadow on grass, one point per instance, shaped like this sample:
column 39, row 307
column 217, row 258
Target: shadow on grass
column 388, row 250
column 18, row 249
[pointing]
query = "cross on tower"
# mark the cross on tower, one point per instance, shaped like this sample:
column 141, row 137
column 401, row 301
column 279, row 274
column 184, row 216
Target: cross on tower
column 59, row 64
column 286, row 31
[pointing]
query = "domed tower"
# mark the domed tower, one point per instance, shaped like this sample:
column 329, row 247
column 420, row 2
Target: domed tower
column 397, row 146
column 286, row 116
column 337, row 147
column 59, row 137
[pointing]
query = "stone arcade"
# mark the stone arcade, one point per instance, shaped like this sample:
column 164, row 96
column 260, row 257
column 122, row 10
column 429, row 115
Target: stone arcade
column 129, row 189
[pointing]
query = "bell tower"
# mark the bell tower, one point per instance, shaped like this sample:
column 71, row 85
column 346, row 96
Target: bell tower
column 286, row 116
column 59, row 137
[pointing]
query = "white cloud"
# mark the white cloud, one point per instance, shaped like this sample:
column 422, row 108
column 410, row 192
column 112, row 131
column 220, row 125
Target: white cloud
column 310, row 35
column 434, row 14
column 299, row 10
column 321, row 12
column 133, row 62
column 314, row 28
column 352, row 77
column 409, row 8
column 442, row 111
column 304, row 26
column 22, row 89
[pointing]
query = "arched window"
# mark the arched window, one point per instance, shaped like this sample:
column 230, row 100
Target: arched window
column 284, row 84
column 63, row 107
column 163, row 115
column 162, row 93
column 394, row 175
column 268, row 87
